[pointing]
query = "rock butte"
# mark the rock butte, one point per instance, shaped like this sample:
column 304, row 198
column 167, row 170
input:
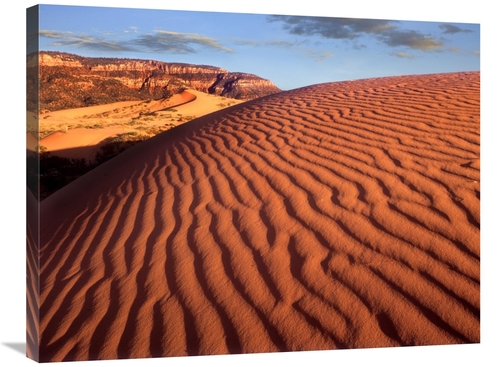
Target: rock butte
column 71, row 81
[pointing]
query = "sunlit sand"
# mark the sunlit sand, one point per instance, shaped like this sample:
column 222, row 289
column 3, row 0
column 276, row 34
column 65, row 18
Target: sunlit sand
column 339, row 215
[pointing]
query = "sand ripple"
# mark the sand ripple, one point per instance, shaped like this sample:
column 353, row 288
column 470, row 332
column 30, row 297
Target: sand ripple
column 341, row 215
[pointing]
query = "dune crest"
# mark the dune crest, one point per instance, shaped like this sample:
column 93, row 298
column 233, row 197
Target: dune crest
column 340, row 215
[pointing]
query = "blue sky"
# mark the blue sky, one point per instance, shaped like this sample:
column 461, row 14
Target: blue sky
column 292, row 51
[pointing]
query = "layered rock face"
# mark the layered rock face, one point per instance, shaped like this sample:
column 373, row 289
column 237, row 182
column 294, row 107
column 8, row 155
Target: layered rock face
column 241, row 86
column 71, row 81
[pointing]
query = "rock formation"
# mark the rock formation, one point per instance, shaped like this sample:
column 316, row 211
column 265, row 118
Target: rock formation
column 71, row 81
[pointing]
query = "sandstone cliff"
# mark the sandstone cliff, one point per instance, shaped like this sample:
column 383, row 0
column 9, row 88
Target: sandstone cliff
column 70, row 81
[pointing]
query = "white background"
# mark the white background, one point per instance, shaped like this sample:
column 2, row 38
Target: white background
column 12, row 181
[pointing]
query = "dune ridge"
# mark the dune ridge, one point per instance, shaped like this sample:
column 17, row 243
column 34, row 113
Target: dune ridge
column 339, row 215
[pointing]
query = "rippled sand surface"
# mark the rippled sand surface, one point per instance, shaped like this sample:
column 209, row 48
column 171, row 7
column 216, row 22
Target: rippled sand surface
column 340, row 215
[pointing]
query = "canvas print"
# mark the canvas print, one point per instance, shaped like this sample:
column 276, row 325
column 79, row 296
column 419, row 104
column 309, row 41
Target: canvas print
column 205, row 183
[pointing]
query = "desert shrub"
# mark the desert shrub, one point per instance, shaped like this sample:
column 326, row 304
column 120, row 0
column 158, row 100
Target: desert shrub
column 56, row 172
column 155, row 130
column 147, row 113
column 135, row 121
column 117, row 145
column 46, row 132
column 88, row 101
column 98, row 125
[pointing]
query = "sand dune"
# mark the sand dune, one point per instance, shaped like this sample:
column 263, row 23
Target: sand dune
column 80, row 132
column 32, row 280
column 340, row 215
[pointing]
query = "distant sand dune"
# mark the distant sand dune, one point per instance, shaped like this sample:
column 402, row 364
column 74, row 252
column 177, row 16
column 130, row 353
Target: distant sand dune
column 83, row 131
column 340, row 215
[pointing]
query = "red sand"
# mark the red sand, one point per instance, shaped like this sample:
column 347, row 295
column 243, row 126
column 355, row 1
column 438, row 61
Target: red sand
column 341, row 215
